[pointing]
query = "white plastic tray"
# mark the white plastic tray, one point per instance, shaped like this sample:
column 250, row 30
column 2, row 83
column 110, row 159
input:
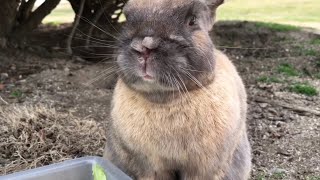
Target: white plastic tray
column 77, row 169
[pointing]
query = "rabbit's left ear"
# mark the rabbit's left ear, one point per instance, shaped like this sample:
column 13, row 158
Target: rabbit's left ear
column 213, row 5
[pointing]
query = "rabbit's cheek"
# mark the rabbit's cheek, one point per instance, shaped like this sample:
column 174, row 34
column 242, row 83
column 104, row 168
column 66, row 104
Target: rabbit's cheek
column 201, row 39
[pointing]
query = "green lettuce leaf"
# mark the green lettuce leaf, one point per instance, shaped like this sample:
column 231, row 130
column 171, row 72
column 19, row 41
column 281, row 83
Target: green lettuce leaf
column 98, row 172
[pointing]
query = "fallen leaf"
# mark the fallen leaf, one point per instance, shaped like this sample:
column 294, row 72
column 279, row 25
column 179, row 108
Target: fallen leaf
column 1, row 87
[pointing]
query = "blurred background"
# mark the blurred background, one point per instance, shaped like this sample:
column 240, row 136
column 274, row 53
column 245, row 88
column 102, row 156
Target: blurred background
column 295, row 12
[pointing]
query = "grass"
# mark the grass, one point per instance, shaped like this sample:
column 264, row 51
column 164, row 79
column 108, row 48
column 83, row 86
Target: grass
column 277, row 27
column 16, row 94
column 34, row 133
column 310, row 52
column 261, row 176
column 304, row 88
column 313, row 178
column 303, row 51
column 55, row 24
column 293, row 12
column 318, row 63
column 271, row 79
column 287, row 69
column 278, row 175
column 315, row 42
column 317, row 75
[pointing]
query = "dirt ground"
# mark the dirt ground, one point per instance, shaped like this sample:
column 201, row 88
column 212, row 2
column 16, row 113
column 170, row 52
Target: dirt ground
column 57, row 107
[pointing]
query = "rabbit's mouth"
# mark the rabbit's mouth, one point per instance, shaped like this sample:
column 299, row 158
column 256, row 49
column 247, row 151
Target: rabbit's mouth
column 145, row 69
column 146, row 75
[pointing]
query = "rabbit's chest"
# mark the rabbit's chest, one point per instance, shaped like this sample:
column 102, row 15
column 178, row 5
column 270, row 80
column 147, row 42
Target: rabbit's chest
column 157, row 129
column 185, row 131
column 177, row 133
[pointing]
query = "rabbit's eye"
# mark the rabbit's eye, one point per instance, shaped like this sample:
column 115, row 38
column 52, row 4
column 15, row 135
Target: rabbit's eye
column 193, row 21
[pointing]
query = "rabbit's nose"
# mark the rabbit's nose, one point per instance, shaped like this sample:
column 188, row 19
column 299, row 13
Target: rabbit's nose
column 151, row 43
column 145, row 46
column 144, row 51
column 136, row 44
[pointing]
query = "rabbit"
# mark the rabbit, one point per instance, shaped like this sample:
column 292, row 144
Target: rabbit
column 179, row 106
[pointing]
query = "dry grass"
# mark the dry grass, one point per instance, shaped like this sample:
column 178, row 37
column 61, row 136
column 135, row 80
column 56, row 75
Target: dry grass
column 33, row 136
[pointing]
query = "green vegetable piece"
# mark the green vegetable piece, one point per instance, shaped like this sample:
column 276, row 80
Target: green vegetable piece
column 98, row 172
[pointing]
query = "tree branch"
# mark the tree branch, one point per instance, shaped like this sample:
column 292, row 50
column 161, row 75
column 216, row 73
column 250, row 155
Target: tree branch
column 75, row 25
column 25, row 10
column 110, row 7
column 286, row 105
column 95, row 20
column 75, row 5
column 2, row 100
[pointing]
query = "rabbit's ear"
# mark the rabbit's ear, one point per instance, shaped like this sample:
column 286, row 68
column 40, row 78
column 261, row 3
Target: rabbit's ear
column 213, row 5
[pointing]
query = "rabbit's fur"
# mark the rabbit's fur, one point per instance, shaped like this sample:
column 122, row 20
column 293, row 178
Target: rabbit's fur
column 179, row 106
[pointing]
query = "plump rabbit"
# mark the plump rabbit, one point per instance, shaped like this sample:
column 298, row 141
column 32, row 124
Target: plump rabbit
column 179, row 106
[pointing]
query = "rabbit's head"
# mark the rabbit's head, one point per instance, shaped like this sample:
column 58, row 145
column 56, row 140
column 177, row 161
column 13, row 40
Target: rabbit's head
column 165, row 45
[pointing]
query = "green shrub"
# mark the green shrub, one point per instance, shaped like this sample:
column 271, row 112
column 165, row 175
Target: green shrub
column 287, row 69
column 271, row 79
column 315, row 42
column 277, row 27
column 305, row 89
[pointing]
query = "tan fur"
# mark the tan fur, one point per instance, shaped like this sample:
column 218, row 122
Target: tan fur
column 200, row 38
column 201, row 129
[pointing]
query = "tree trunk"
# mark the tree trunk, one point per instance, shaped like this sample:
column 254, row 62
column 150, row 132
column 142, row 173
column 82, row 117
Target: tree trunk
column 75, row 4
column 25, row 10
column 88, row 10
column 8, row 10
column 36, row 17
